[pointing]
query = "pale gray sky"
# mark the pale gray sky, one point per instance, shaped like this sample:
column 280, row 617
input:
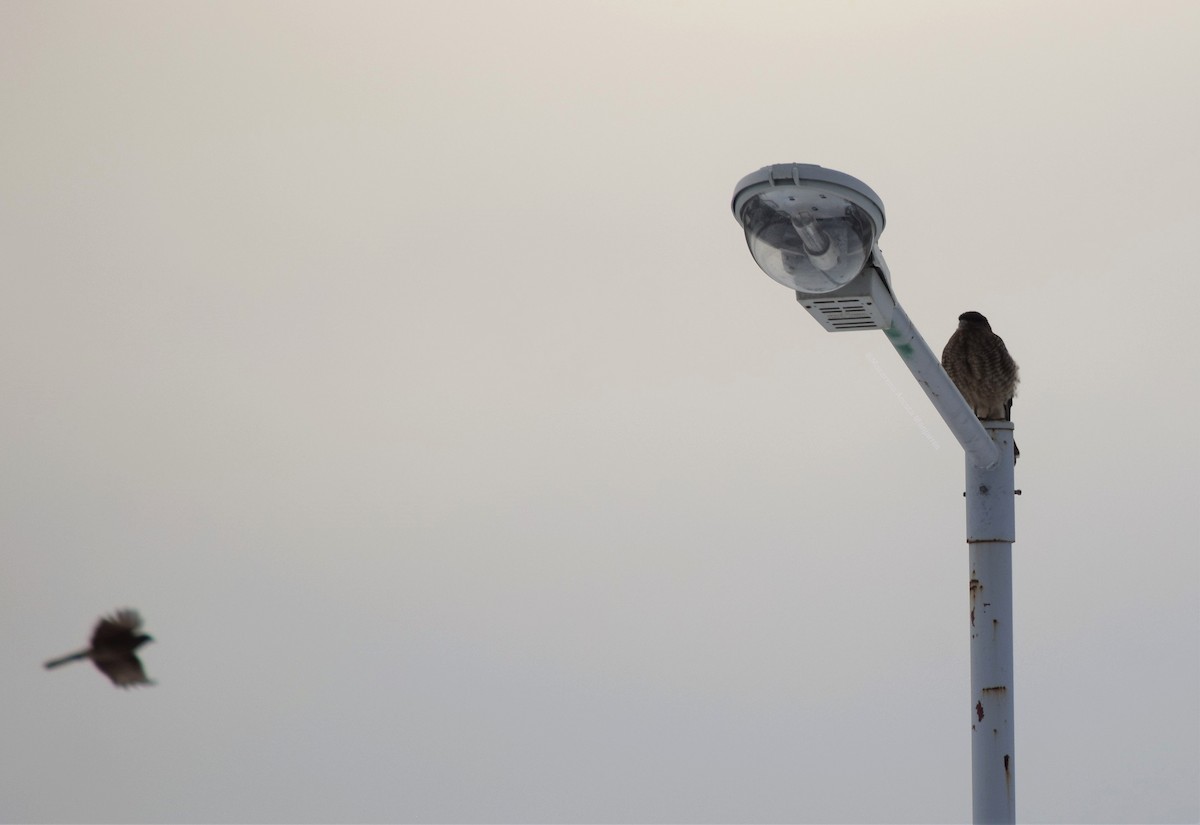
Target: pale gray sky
column 404, row 365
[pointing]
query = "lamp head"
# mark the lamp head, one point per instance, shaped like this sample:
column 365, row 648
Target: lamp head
column 809, row 228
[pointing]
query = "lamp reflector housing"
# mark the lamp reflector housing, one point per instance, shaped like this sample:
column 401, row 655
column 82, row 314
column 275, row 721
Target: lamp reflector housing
column 809, row 228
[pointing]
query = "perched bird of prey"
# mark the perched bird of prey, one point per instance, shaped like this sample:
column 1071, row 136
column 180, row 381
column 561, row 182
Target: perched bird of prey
column 978, row 363
column 114, row 641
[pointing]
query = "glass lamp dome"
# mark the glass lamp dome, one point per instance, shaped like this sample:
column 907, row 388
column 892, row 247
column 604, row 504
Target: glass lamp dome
column 809, row 228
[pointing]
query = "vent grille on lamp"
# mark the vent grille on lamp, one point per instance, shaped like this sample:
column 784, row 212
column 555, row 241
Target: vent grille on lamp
column 845, row 314
column 864, row 303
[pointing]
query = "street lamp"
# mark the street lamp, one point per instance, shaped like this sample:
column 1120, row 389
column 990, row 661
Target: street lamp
column 815, row 231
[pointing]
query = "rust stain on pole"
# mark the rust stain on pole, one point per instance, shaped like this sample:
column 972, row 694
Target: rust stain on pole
column 979, row 710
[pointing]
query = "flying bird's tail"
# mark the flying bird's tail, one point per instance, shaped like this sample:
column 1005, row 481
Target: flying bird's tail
column 74, row 657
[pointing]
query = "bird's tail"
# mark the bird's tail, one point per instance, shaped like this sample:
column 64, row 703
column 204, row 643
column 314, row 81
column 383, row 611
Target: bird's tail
column 74, row 657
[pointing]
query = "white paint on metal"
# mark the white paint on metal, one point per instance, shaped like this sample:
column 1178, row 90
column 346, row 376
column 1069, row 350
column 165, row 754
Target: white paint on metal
column 991, row 528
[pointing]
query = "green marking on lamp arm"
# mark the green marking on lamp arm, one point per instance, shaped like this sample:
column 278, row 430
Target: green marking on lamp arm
column 905, row 350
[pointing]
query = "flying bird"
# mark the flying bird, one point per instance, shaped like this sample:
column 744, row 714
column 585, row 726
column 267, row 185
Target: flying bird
column 978, row 363
column 114, row 641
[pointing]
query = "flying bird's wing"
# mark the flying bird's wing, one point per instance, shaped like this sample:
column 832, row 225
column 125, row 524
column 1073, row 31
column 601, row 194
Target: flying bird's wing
column 124, row 669
column 117, row 630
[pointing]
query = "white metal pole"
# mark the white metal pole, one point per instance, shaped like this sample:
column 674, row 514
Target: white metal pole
column 991, row 530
